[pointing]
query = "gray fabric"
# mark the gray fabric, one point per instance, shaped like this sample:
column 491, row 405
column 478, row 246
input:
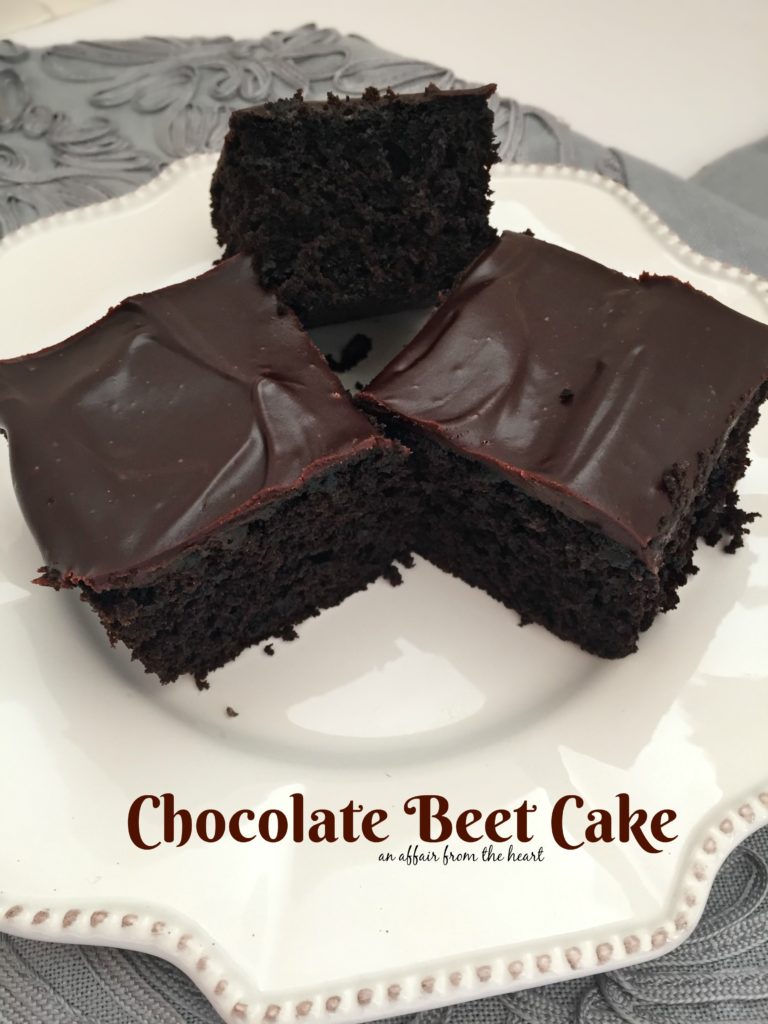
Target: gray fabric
column 91, row 120
column 740, row 177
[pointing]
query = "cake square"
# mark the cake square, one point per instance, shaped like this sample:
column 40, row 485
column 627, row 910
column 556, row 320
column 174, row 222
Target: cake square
column 575, row 431
column 354, row 207
column 191, row 464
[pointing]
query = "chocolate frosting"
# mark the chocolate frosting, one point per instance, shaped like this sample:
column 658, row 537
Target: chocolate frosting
column 581, row 385
column 180, row 410
column 370, row 96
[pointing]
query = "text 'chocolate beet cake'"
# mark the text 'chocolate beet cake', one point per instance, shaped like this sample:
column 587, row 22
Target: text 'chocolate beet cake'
column 193, row 466
column 575, row 431
column 353, row 207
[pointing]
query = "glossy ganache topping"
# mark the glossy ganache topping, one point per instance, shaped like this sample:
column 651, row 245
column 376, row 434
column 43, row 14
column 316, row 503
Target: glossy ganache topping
column 580, row 384
column 180, row 410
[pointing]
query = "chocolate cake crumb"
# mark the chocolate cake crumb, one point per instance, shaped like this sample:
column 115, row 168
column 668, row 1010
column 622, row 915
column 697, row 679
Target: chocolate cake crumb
column 732, row 522
column 269, row 650
column 674, row 483
column 231, row 713
column 202, row 684
column 393, row 576
column 566, row 396
column 354, row 352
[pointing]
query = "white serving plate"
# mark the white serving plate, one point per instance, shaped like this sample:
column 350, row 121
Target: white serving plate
column 430, row 687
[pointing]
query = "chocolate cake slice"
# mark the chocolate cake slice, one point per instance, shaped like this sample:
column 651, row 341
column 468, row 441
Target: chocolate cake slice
column 575, row 431
column 353, row 207
column 190, row 463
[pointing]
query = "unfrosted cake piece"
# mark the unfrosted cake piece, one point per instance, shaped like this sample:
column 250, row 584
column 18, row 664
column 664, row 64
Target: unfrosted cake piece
column 190, row 463
column 575, row 432
column 352, row 207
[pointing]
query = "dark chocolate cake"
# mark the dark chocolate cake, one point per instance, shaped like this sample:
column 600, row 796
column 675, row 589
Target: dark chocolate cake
column 575, row 431
column 353, row 207
column 191, row 464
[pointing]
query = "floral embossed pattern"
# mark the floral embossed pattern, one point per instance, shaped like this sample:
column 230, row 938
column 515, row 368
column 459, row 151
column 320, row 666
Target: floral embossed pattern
column 50, row 161
column 192, row 85
column 91, row 120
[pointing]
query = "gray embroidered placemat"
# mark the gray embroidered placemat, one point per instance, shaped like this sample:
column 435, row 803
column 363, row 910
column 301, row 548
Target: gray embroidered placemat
column 87, row 121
